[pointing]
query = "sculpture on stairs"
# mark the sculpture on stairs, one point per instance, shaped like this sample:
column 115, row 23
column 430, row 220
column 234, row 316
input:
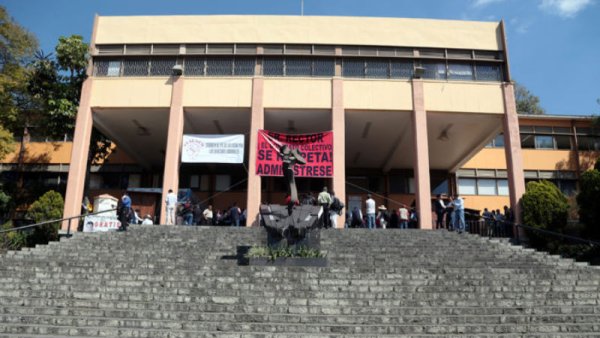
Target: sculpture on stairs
column 291, row 224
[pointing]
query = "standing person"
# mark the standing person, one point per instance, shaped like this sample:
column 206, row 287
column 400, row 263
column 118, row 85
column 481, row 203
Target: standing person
column 335, row 209
column 124, row 211
column 394, row 219
column 198, row 218
column 171, row 204
column 208, row 215
column 459, row 214
column 324, row 200
column 370, row 208
column 383, row 216
column 440, row 208
column 450, row 214
column 404, row 216
column 147, row 220
column 187, row 213
column 348, row 223
column 234, row 214
column 357, row 218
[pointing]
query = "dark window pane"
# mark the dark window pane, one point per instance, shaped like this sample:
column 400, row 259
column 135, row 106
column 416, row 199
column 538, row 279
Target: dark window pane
column 377, row 69
column 460, row 71
column 434, row 71
column 194, row 67
column 527, row 141
column 219, row 66
column 588, row 143
column 563, row 142
column 298, row 67
column 544, row 142
column 488, row 72
column 401, row 69
column 244, row 67
column 162, row 67
column 499, row 141
column 568, row 187
column 273, row 67
column 133, row 67
column 324, row 67
column 107, row 67
column 353, row 68
column 398, row 184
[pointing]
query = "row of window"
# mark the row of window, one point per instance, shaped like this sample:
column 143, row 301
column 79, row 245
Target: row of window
column 499, row 187
column 297, row 66
column 561, row 142
column 295, row 49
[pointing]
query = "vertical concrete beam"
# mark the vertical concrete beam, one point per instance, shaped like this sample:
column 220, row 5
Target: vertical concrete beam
column 338, row 123
column 421, row 156
column 257, row 121
column 79, row 156
column 512, row 151
column 174, row 139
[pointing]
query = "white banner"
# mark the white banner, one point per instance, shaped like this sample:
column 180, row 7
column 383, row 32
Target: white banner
column 213, row 149
column 100, row 223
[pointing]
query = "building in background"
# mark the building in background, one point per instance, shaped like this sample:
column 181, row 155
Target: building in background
column 412, row 104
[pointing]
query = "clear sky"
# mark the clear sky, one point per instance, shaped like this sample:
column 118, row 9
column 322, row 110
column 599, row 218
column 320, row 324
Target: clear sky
column 554, row 45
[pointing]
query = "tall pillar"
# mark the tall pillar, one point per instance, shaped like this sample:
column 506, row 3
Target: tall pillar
column 339, row 144
column 257, row 121
column 512, row 150
column 174, row 139
column 79, row 156
column 421, row 156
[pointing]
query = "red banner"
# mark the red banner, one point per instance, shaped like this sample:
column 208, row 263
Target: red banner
column 317, row 150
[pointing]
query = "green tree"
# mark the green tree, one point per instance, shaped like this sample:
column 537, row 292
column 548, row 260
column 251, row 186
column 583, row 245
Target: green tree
column 17, row 48
column 544, row 207
column 588, row 200
column 527, row 103
column 48, row 207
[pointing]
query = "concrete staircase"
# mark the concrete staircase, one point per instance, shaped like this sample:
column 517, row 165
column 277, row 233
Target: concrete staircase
column 162, row 281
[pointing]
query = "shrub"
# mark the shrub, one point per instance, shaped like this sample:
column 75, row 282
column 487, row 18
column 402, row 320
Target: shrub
column 588, row 200
column 48, row 207
column 544, row 207
column 13, row 240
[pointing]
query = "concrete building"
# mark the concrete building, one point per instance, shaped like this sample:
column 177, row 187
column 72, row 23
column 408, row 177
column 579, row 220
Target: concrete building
column 412, row 104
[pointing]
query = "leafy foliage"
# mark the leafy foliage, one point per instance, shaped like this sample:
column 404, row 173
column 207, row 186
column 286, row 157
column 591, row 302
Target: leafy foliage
column 546, row 208
column 17, row 48
column 588, row 200
column 527, row 103
column 6, row 142
column 48, row 207
column 13, row 240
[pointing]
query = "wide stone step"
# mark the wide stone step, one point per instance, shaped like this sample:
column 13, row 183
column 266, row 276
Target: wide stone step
column 128, row 328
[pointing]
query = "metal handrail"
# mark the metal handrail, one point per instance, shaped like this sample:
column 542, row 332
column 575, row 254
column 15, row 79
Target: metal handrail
column 55, row 221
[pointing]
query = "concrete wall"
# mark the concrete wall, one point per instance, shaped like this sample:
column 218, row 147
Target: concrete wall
column 299, row 29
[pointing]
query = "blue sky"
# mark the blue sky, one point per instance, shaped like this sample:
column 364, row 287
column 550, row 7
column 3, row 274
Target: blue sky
column 554, row 45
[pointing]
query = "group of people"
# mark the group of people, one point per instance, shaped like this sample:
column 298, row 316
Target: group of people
column 195, row 214
column 380, row 217
column 332, row 206
column 450, row 213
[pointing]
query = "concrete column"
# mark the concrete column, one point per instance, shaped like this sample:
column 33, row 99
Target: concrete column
column 257, row 121
column 512, row 150
column 174, row 139
column 79, row 156
column 339, row 145
column 421, row 156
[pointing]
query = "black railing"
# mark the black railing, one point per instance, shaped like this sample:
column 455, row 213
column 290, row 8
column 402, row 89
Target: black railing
column 70, row 219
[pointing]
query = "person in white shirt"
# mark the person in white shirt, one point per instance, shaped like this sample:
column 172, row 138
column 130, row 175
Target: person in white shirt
column 208, row 215
column 370, row 206
column 171, row 203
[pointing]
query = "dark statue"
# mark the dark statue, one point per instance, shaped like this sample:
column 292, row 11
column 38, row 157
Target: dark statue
column 292, row 224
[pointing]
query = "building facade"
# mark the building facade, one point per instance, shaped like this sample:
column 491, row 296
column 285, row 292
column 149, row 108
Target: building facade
column 411, row 103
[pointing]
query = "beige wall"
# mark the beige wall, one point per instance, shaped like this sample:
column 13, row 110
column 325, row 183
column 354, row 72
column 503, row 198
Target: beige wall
column 41, row 152
column 493, row 158
column 217, row 92
column 377, row 95
column 131, row 92
column 299, row 29
column 490, row 202
column 297, row 93
column 464, row 97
